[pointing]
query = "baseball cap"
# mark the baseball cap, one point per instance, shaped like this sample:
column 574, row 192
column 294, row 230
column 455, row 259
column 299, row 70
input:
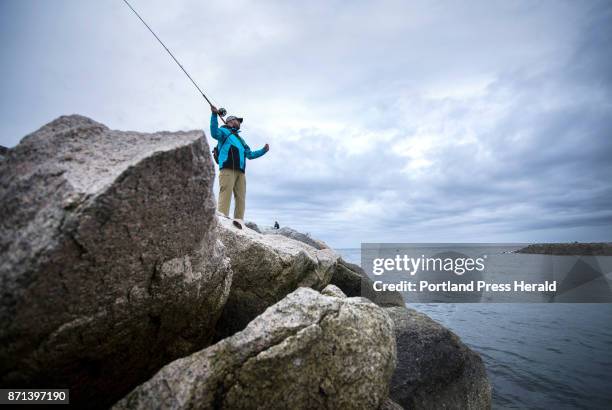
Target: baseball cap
column 232, row 117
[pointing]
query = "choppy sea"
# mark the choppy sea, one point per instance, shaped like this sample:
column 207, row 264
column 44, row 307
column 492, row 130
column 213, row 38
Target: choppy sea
column 537, row 355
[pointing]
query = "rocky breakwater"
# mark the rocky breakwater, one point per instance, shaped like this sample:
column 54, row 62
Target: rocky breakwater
column 117, row 277
column 435, row 369
column 109, row 261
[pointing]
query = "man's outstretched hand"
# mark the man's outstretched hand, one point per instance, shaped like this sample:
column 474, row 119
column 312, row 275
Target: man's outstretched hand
column 267, row 147
column 214, row 109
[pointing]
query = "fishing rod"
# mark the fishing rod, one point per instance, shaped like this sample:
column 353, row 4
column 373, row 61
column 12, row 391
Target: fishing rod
column 220, row 111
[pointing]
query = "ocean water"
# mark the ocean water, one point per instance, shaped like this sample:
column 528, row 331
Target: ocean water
column 537, row 355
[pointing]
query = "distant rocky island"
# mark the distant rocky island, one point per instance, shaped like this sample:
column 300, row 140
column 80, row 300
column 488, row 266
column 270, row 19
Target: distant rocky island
column 574, row 248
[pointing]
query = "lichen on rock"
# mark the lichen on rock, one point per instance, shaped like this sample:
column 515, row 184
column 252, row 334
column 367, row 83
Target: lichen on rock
column 306, row 351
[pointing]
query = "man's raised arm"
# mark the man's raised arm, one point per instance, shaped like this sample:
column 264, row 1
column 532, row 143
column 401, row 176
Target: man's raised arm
column 214, row 126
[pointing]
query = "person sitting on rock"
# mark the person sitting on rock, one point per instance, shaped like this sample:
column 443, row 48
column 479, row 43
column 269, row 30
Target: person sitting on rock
column 276, row 225
column 233, row 152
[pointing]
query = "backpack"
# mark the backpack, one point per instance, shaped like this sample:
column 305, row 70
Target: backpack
column 215, row 153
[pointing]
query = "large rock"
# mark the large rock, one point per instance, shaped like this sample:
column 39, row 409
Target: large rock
column 109, row 263
column 298, row 236
column 333, row 290
column 355, row 282
column 253, row 226
column 267, row 268
column 435, row 369
column 308, row 351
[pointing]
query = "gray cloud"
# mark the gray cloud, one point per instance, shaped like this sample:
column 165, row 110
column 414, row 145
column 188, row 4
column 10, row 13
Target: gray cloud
column 392, row 121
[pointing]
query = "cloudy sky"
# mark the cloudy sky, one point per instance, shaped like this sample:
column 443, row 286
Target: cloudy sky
column 401, row 121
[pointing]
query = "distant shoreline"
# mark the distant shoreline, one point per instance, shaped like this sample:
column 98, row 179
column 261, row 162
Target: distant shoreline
column 575, row 248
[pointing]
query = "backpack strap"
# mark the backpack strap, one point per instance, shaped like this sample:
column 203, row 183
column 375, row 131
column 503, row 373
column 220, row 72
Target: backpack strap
column 232, row 132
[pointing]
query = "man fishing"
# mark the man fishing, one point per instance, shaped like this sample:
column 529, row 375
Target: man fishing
column 232, row 154
column 231, row 150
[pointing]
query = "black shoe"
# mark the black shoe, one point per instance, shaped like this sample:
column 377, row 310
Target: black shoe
column 237, row 224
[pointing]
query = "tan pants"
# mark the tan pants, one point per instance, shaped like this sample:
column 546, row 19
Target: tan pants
column 231, row 180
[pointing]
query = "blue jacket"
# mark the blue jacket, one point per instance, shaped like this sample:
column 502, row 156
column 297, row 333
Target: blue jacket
column 232, row 148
